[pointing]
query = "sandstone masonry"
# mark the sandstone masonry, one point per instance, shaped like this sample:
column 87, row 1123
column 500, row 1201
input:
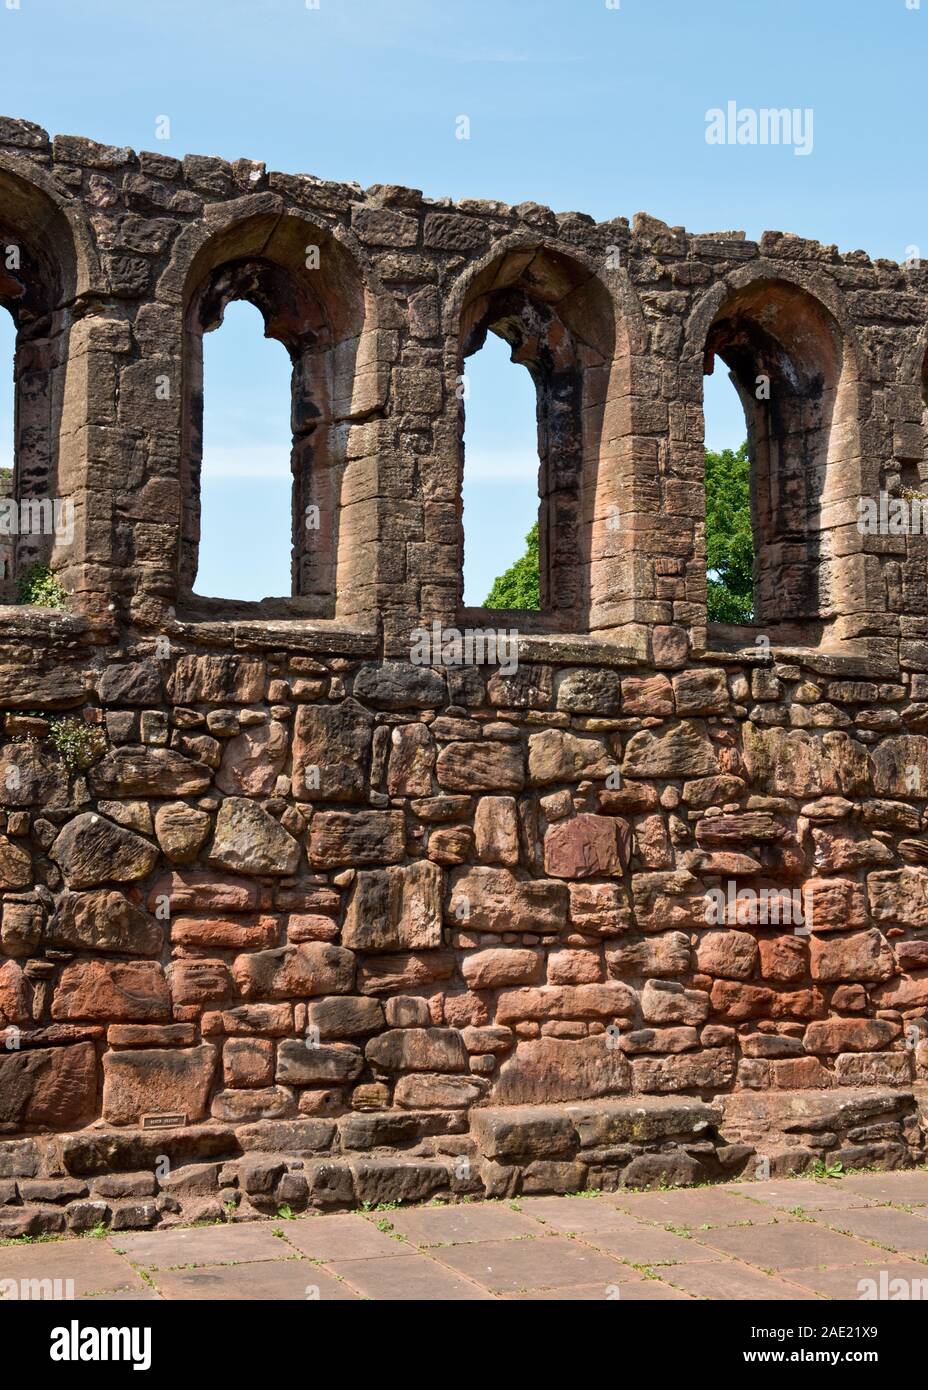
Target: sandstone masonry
column 651, row 906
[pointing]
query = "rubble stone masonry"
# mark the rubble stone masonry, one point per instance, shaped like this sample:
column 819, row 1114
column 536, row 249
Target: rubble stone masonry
column 290, row 919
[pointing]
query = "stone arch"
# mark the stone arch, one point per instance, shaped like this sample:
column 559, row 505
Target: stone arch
column 316, row 300
column 795, row 366
column 560, row 313
column 45, row 265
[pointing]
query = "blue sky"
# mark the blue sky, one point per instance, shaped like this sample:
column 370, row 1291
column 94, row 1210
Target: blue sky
column 572, row 103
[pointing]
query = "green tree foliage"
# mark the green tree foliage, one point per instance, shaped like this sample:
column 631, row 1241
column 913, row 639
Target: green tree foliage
column 729, row 538
column 518, row 587
column 729, row 547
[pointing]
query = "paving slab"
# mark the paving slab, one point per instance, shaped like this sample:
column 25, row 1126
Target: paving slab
column 639, row 1244
column 910, row 1186
column 858, row 1234
column 89, row 1263
column 624, row 1291
column 268, row 1280
column 462, row 1225
column 580, row 1215
column 732, row 1281
column 806, row 1193
column 887, row 1226
column 787, row 1245
column 408, row 1277
column 547, row 1262
column 201, row 1245
column 885, row 1279
column 341, row 1236
column 699, row 1207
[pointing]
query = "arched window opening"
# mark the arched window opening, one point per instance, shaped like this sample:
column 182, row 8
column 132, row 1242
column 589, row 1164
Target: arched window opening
column 7, row 436
column 557, row 319
column 245, row 547
column 729, row 525
column 783, row 353
column 37, row 528
column 918, row 475
column 312, row 302
column 500, row 491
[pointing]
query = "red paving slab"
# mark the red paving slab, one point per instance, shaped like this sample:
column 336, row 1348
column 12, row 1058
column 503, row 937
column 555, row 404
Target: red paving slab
column 407, row 1278
column 864, row 1235
column 271, row 1280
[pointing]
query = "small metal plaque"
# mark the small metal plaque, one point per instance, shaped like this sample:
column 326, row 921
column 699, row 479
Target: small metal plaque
column 167, row 1121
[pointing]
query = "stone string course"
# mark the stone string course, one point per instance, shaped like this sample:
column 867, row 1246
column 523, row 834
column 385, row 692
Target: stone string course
column 377, row 931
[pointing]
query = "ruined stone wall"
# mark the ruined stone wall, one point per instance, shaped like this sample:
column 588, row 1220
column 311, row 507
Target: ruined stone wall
column 332, row 916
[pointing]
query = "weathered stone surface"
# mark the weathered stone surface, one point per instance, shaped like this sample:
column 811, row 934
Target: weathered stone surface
column 418, row 1049
column 556, row 1069
column 104, row 920
column 587, row 846
column 795, row 763
column 218, row 679
column 501, row 966
column 250, row 841
column 202, row 890
column 480, row 767
column 648, row 696
column 683, row 751
column 225, row 933
column 833, row 1035
column 494, row 900
column 48, row 1088
column 600, row 909
column 424, row 1091
column 856, row 956
column 596, row 1001
column 408, row 970
column 395, row 909
column 298, row 972
column 31, row 775
column 131, row 683
column 557, row 756
column 360, row 837
column 664, row 955
column 161, row 772
column 91, row 850
column 664, row 1001
column 345, row 1017
column 412, row 758
column 708, row 1070
column 899, row 896
column 331, row 752
column 584, row 690
column 730, row 954
column 112, row 991
column 900, row 765
column 15, row 864
column 156, row 1080
column 660, row 863
column 496, row 830
column 399, row 685
column 700, row 692
column 252, row 760
column 300, row 1062
column 181, row 831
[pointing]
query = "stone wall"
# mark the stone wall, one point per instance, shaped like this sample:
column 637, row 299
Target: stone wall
column 316, row 923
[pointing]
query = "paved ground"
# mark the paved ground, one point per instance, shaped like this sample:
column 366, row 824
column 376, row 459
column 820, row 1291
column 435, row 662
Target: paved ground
column 782, row 1240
